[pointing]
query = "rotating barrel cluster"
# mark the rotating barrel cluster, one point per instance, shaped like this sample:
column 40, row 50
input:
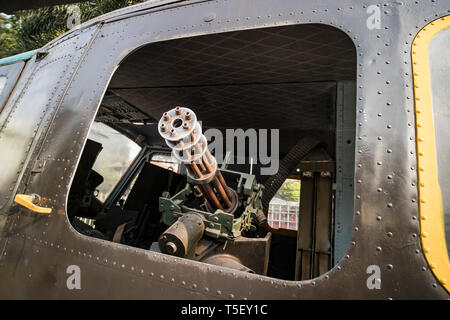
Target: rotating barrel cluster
column 183, row 134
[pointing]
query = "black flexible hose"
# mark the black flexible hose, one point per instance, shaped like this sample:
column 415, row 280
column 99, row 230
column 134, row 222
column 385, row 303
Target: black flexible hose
column 287, row 165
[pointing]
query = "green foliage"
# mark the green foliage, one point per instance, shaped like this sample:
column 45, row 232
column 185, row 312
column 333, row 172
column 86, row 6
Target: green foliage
column 7, row 36
column 31, row 29
column 289, row 190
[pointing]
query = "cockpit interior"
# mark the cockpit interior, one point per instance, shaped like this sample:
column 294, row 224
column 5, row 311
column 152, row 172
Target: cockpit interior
column 277, row 97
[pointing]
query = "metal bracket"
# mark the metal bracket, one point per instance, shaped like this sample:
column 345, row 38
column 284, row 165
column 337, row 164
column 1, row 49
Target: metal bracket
column 38, row 166
column 41, row 55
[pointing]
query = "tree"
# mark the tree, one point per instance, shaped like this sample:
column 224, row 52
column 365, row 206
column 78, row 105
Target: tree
column 289, row 190
column 7, row 36
column 31, row 29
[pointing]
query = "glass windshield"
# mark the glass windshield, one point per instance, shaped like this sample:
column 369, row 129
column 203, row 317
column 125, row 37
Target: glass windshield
column 116, row 156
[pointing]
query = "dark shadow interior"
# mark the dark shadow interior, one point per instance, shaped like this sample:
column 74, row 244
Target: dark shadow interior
column 281, row 77
column 271, row 78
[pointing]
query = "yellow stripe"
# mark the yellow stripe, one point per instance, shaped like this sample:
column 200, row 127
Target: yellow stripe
column 430, row 201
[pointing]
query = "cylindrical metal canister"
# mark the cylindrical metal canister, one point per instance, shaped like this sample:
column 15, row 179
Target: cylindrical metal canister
column 182, row 237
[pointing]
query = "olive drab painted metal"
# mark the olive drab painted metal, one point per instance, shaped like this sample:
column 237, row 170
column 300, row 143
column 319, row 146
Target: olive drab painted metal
column 55, row 102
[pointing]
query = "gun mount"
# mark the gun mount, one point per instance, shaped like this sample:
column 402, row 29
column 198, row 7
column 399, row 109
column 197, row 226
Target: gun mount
column 226, row 204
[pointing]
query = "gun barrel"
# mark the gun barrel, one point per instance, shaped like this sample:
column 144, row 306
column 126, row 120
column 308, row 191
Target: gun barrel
column 183, row 134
